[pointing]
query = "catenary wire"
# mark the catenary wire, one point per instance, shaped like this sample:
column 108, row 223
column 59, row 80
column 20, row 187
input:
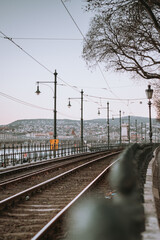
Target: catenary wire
column 33, row 58
column 23, row 102
column 10, row 39
column 32, row 105
column 115, row 99
column 42, row 65
column 88, row 45
column 48, row 39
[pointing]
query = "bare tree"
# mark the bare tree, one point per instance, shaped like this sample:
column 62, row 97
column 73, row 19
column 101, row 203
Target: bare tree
column 125, row 35
column 156, row 98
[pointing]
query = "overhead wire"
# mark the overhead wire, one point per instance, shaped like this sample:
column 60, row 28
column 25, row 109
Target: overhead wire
column 115, row 99
column 48, row 39
column 33, row 58
column 23, row 102
column 30, row 104
column 11, row 39
column 42, row 65
column 88, row 45
column 75, row 88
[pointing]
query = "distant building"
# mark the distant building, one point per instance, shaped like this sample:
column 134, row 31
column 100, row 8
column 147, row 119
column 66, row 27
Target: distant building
column 125, row 132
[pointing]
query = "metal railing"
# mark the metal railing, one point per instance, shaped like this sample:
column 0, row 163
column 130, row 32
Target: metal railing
column 13, row 154
column 19, row 153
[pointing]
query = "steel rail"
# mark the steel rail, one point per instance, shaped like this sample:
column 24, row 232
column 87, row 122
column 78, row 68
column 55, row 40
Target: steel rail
column 27, row 166
column 41, row 234
column 36, row 172
column 28, row 192
column 42, row 162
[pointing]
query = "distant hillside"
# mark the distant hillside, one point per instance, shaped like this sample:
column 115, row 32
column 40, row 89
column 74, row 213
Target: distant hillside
column 39, row 122
column 71, row 129
column 49, row 122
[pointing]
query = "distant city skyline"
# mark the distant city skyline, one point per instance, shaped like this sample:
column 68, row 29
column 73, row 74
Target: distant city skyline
column 48, row 39
column 42, row 129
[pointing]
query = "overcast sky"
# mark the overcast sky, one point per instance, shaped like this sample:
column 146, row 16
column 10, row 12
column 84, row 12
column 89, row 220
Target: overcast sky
column 27, row 23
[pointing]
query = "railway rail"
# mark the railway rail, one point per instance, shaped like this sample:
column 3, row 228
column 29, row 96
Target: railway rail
column 27, row 212
column 18, row 183
column 6, row 174
column 39, row 164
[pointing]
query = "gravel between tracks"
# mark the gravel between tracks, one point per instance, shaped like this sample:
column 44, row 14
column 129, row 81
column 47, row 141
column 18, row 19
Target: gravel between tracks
column 19, row 186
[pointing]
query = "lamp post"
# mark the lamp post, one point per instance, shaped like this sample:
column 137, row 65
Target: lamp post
column 108, row 135
column 136, row 129
column 149, row 93
column 120, row 128
column 69, row 105
column 129, row 138
column 141, row 131
column 55, row 98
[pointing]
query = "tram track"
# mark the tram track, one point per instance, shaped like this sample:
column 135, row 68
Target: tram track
column 37, row 205
column 58, row 227
column 20, row 183
column 9, row 174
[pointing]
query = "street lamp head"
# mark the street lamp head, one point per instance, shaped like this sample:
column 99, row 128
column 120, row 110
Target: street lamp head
column 69, row 104
column 149, row 92
column 38, row 91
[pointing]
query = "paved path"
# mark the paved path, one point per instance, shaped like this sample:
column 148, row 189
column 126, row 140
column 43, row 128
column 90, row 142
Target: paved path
column 152, row 231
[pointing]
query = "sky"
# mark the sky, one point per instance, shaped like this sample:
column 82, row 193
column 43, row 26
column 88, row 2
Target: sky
column 38, row 37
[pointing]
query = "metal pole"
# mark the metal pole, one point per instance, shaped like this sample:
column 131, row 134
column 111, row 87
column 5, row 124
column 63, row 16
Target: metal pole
column 136, row 129
column 82, row 119
column 150, row 122
column 141, row 131
column 55, row 111
column 120, row 128
column 145, row 132
column 129, row 129
column 108, row 123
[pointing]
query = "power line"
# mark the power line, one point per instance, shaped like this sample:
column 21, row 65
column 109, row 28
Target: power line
column 33, row 58
column 88, row 45
column 115, row 99
column 31, row 105
column 75, row 88
column 11, row 40
column 74, row 21
column 46, row 39
column 67, row 84
column 23, row 102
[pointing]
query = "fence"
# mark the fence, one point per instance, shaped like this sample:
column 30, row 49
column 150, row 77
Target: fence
column 13, row 154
